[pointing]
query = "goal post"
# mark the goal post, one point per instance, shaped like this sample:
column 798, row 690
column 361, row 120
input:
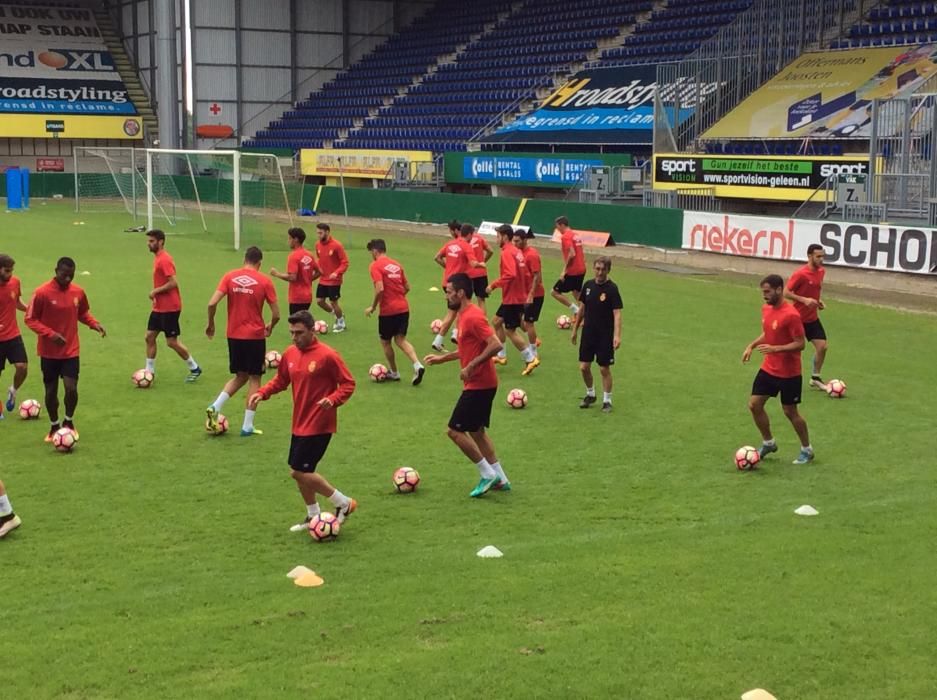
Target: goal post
column 108, row 179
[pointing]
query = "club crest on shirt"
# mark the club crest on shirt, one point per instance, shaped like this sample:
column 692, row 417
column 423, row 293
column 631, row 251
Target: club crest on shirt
column 602, row 296
column 312, row 367
column 588, row 291
column 774, row 325
column 75, row 301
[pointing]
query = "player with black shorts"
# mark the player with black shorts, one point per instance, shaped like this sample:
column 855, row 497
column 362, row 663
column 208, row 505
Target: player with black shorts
column 781, row 342
column 535, row 291
column 478, row 344
column 246, row 289
column 301, row 271
column 321, row 383
column 12, row 348
column 53, row 314
column 390, row 295
column 600, row 317
column 574, row 266
column 478, row 273
column 803, row 288
column 167, row 307
column 333, row 264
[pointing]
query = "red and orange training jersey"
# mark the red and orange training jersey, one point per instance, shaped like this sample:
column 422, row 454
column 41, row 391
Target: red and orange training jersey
column 781, row 325
column 394, row 298
column 247, row 289
column 54, row 310
column 474, row 331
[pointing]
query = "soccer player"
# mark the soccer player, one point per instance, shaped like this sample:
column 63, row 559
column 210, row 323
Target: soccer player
column 456, row 256
column 53, row 314
column 803, row 288
column 536, row 293
column 513, row 284
column 12, row 348
column 478, row 344
column 321, row 383
column 333, row 262
column 167, row 307
column 599, row 315
column 301, row 271
column 574, row 266
column 781, row 342
column 478, row 273
column 390, row 294
column 246, row 288
column 9, row 520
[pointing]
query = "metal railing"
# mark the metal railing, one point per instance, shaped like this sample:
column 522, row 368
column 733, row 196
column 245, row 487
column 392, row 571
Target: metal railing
column 688, row 199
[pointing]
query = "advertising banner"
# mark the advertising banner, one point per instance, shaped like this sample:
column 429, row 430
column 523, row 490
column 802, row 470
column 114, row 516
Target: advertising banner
column 518, row 169
column 74, row 24
column 828, row 94
column 792, row 178
column 870, row 246
column 601, row 106
column 362, row 164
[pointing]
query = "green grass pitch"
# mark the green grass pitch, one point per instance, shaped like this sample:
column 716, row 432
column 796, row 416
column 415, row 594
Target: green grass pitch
column 637, row 562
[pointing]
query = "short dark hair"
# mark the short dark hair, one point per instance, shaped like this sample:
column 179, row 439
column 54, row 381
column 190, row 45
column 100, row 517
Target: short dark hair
column 773, row 281
column 505, row 230
column 64, row 262
column 303, row 317
column 467, row 230
column 377, row 244
column 606, row 262
column 253, row 255
column 322, row 226
column 813, row 247
column 561, row 221
column 454, row 225
column 519, row 233
column 462, row 281
column 297, row 234
column 157, row 234
column 6, row 261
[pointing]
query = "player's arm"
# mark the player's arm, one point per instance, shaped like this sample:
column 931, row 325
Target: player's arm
column 492, row 347
column 84, row 315
column 274, row 315
column 578, row 320
column 616, row 339
column 169, row 286
column 746, row 355
column 508, row 273
column 286, row 277
column 440, row 258
column 33, row 322
column 796, row 345
column 342, row 264
column 19, row 303
column 316, row 271
column 212, row 307
column 280, row 381
column 535, row 280
column 489, row 251
column 345, row 385
column 441, row 359
column 378, row 294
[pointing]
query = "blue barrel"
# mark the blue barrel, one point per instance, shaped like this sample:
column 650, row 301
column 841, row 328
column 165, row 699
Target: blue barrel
column 14, row 189
column 24, row 189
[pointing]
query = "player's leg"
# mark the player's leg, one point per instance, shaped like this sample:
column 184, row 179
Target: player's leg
column 150, row 340
column 305, row 454
column 531, row 316
column 9, row 520
column 513, row 317
column 401, row 324
column 790, row 397
column 50, row 380
column 819, row 355
column 763, row 388
column 172, row 330
column 324, row 303
column 238, row 366
column 391, row 358
column 70, row 385
column 565, row 285
column 335, row 295
column 447, row 322
column 480, row 292
column 585, row 369
column 14, row 352
column 497, row 323
column 471, row 414
column 247, row 427
column 606, row 373
column 487, row 448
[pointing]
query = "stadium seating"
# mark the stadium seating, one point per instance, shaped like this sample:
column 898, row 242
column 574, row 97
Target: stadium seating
column 897, row 23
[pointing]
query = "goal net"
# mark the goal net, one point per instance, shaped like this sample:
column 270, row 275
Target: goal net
column 110, row 180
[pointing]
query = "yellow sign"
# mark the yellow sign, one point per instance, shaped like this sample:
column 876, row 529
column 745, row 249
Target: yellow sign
column 66, row 126
column 358, row 163
column 828, row 94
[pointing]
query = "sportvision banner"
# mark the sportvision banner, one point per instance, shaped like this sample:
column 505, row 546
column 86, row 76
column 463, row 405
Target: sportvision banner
column 870, row 246
column 58, row 79
column 601, row 106
column 793, row 178
column 828, row 94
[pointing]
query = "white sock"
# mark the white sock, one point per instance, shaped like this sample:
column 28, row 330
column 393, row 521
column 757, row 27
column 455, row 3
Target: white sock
column 533, row 350
column 808, row 448
column 151, row 364
column 485, row 469
column 499, row 471
column 574, row 309
column 590, row 391
column 503, row 353
column 5, row 507
column 221, row 401
column 769, row 443
column 527, row 354
column 417, row 366
column 12, row 392
column 606, row 397
column 69, row 419
column 338, row 499
column 312, row 510
column 438, row 340
column 393, row 375
column 249, row 419
column 191, row 363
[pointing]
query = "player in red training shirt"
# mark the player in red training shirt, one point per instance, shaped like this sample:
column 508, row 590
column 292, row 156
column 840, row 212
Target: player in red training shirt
column 333, row 263
column 574, row 266
column 513, row 281
column 12, row 348
column 803, row 288
column 301, row 271
column 478, row 274
column 246, row 288
column 535, row 291
column 390, row 295
column 167, row 307
column 53, row 314
column 781, row 342
column 478, row 344
column 456, row 256
column 321, row 383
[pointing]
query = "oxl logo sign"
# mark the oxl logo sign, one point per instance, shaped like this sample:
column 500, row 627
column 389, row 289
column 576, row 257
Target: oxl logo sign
column 60, row 59
column 893, row 248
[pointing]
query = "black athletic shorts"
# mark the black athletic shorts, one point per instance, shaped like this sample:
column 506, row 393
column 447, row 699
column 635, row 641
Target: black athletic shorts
column 788, row 387
column 12, row 351
column 479, row 286
column 306, row 451
column 52, row 369
column 597, row 347
column 332, row 292
column 391, row 326
column 165, row 322
column 246, row 356
column 813, row 330
column 511, row 315
column 570, row 283
column 299, row 307
column 472, row 411
column 532, row 311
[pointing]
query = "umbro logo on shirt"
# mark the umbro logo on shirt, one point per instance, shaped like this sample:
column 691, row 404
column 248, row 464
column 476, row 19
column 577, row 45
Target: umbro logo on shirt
column 392, row 269
column 306, row 260
column 244, row 284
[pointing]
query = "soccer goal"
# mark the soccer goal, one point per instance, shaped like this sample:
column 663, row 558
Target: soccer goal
column 110, row 179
